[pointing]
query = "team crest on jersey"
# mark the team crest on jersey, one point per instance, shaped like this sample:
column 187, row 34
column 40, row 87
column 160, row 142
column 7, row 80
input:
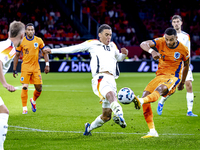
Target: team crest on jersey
column 35, row 45
column 177, row 55
column 22, row 78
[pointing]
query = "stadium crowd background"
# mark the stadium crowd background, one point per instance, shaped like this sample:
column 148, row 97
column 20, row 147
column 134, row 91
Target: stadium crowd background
column 51, row 23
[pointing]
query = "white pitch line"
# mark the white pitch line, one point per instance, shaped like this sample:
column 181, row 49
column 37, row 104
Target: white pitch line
column 26, row 129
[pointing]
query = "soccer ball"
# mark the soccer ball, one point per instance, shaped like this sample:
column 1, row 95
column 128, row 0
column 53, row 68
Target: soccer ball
column 125, row 95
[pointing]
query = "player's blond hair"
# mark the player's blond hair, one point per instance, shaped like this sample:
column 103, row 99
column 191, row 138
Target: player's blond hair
column 15, row 28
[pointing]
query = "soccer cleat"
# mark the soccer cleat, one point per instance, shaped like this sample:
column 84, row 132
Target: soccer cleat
column 119, row 120
column 137, row 103
column 33, row 105
column 191, row 114
column 160, row 108
column 25, row 112
column 151, row 134
column 86, row 129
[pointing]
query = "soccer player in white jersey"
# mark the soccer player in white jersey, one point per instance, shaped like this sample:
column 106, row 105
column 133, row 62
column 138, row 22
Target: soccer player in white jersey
column 184, row 38
column 104, row 57
column 7, row 53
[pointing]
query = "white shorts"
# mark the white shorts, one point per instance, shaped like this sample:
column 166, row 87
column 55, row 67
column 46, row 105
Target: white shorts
column 103, row 83
column 1, row 101
column 189, row 75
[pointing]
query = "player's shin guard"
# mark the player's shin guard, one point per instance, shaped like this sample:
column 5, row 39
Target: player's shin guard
column 24, row 97
column 98, row 122
column 116, row 108
column 3, row 128
column 36, row 94
column 190, row 98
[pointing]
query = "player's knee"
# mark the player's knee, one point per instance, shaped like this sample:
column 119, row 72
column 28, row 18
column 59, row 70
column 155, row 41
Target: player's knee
column 110, row 96
column 162, row 89
column 106, row 118
column 24, row 88
column 4, row 109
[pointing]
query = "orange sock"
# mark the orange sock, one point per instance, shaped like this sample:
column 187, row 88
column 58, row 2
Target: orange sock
column 154, row 96
column 36, row 94
column 148, row 115
column 24, row 97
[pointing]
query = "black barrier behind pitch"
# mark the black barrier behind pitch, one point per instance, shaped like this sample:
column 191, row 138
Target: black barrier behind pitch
column 84, row 66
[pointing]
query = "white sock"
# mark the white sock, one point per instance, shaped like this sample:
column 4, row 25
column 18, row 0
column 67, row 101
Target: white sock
column 3, row 128
column 116, row 108
column 190, row 98
column 34, row 102
column 98, row 122
column 153, row 130
column 25, row 108
column 163, row 99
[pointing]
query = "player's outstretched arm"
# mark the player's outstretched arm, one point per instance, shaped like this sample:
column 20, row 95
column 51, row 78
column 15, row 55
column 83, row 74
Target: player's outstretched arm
column 184, row 74
column 15, row 62
column 146, row 46
column 3, row 80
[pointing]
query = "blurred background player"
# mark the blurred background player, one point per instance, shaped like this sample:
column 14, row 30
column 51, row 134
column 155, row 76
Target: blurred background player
column 171, row 54
column 30, row 68
column 7, row 53
column 184, row 38
column 104, row 56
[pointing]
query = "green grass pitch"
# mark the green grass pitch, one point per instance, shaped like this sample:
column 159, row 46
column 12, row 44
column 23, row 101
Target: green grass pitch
column 67, row 103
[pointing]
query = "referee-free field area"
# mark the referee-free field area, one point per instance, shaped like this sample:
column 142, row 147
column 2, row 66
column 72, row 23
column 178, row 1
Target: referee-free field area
column 67, row 103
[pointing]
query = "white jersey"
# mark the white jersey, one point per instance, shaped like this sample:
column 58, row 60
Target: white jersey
column 7, row 53
column 184, row 38
column 103, row 57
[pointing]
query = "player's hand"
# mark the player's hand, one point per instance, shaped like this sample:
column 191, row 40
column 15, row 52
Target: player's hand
column 181, row 86
column 155, row 55
column 46, row 69
column 46, row 50
column 124, row 51
column 9, row 87
column 15, row 73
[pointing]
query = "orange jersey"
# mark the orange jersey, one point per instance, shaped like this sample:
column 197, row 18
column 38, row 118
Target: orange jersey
column 30, row 49
column 171, row 61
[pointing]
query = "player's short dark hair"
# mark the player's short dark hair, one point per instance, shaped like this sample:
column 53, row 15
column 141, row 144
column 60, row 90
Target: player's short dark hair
column 170, row 31
column 15, row 28
column 176, row 17
column 103, row 27
column 29, row 24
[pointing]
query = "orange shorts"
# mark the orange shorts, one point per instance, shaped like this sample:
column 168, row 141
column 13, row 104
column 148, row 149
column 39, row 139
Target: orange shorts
column 31, row 77
column 169, row 80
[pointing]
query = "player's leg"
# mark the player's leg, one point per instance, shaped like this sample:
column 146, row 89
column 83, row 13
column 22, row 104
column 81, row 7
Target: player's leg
column 4, row 114
column 100, row 120
column 190, row 98
column 148, row 115
column 36, row 79
column 24, row 97
column 24, row 79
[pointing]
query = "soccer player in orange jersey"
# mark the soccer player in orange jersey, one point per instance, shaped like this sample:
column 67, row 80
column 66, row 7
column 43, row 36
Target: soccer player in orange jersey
column 30, row 69
column 172, row 56
column 7, row 53
column 184, row 38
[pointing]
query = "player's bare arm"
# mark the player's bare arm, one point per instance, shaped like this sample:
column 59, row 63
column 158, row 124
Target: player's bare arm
column 146, row 46
column 46, row 58
column 184, row 74
column 124, row 51
column 3, row 80
column 15, row 62
column 46, row 50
